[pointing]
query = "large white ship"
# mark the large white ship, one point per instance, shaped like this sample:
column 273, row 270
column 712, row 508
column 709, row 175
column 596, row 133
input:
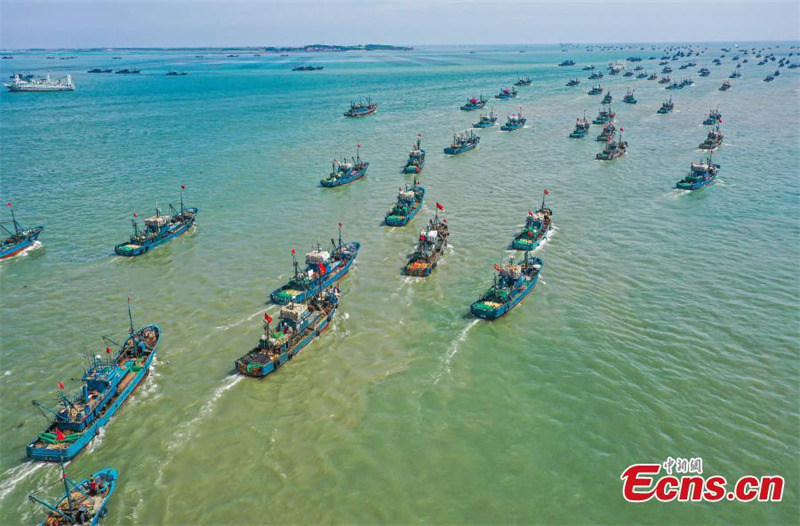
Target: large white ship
column 41, row 84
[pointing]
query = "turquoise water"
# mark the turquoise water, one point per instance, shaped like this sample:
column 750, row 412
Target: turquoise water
column 665, row 323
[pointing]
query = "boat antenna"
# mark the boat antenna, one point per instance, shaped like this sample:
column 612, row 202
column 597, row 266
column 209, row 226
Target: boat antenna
column 544, row 194
column 130, row 314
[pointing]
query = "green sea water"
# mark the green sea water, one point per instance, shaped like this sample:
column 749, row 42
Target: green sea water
column 665, row 323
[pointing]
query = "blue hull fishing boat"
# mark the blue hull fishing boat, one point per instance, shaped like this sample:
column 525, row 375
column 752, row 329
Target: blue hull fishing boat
column 298, row 325
column 20, row 239
column 84, row 502
column 581, row 128
column 416, row 158
column 463, row 142
column 486, row 121
column 159, row 229
column 714, row 117
column 666, row 107
column 344, row 172
column 474, row 104
column 431, row 243
column 506, row 94
column 322, row 270
column 409, row 202
column 107, row 384
column 713, row 140
column 512, row 284
column 700, row 175
column 359, row 109
column 538, row 223
column 514, row 122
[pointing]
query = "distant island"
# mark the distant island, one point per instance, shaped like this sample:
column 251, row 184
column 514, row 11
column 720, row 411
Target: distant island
column 316, row 48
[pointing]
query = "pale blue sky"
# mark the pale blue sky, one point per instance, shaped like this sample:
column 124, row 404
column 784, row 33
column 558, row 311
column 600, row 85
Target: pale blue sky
column 171, row 23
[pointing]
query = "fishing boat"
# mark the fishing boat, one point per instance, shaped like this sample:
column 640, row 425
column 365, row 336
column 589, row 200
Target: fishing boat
column 588, row 68
column 714, row 117
column 704, row 72
column 726, row 85
column 18, row 240
column 665, row 80
column 360, row 109
column 735, row 74
column 98, row 70
column 687, row 82
column 608, row 133
column 416, row 158
column 158, row 229
column 431, row 243
column 308, row 68
column 474, row 104
column 298, row 325
column 43, row 84
column 653, row 77
column 700, row 174
column 629, row 98
column 512, row 283
column 604, row 116
column 573, row 82
column 486, row 121
column 581, row 127
column 409, row 202
column 323, row 269
column 666, row 69
column 642, row 75
column 83, row 502
column 344, row 172
column 463, row 142
column 567, row 63
column 128, row 71
column 514, row 122
column 769, row 78
column 596, row 75
column 173, row 73
column 537, row 225
column 674, row 86
column 628, row 74
column 666, row 107
column 713, row 140
column 596, row 90
column 614, row 149
column 524, row 81
column 506, row 94
column 607, row 98
column 107, row 383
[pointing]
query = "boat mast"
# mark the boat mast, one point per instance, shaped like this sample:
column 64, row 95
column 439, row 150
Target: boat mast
column 17, row 227
column 182, row 189
column 130, row 315
column 294, row 263
column 340, row 236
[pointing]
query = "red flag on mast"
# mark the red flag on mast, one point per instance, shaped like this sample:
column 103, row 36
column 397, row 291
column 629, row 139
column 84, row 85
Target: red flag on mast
column 60, row 386
column 183, row 187
column 268, row 317
column 293, row 252
column 59, row 434
column 108, row 350
column 440, row 206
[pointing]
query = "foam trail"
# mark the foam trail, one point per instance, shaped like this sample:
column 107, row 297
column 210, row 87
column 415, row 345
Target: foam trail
column 185, row 430
column 12, row 477
column 248, row 318
column 453, row 350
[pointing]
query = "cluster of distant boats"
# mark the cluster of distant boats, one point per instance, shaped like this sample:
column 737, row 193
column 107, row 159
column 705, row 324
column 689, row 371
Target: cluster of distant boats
column 309, row 300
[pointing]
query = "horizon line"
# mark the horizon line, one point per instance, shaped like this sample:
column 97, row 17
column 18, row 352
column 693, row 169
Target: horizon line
column 262, row 47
